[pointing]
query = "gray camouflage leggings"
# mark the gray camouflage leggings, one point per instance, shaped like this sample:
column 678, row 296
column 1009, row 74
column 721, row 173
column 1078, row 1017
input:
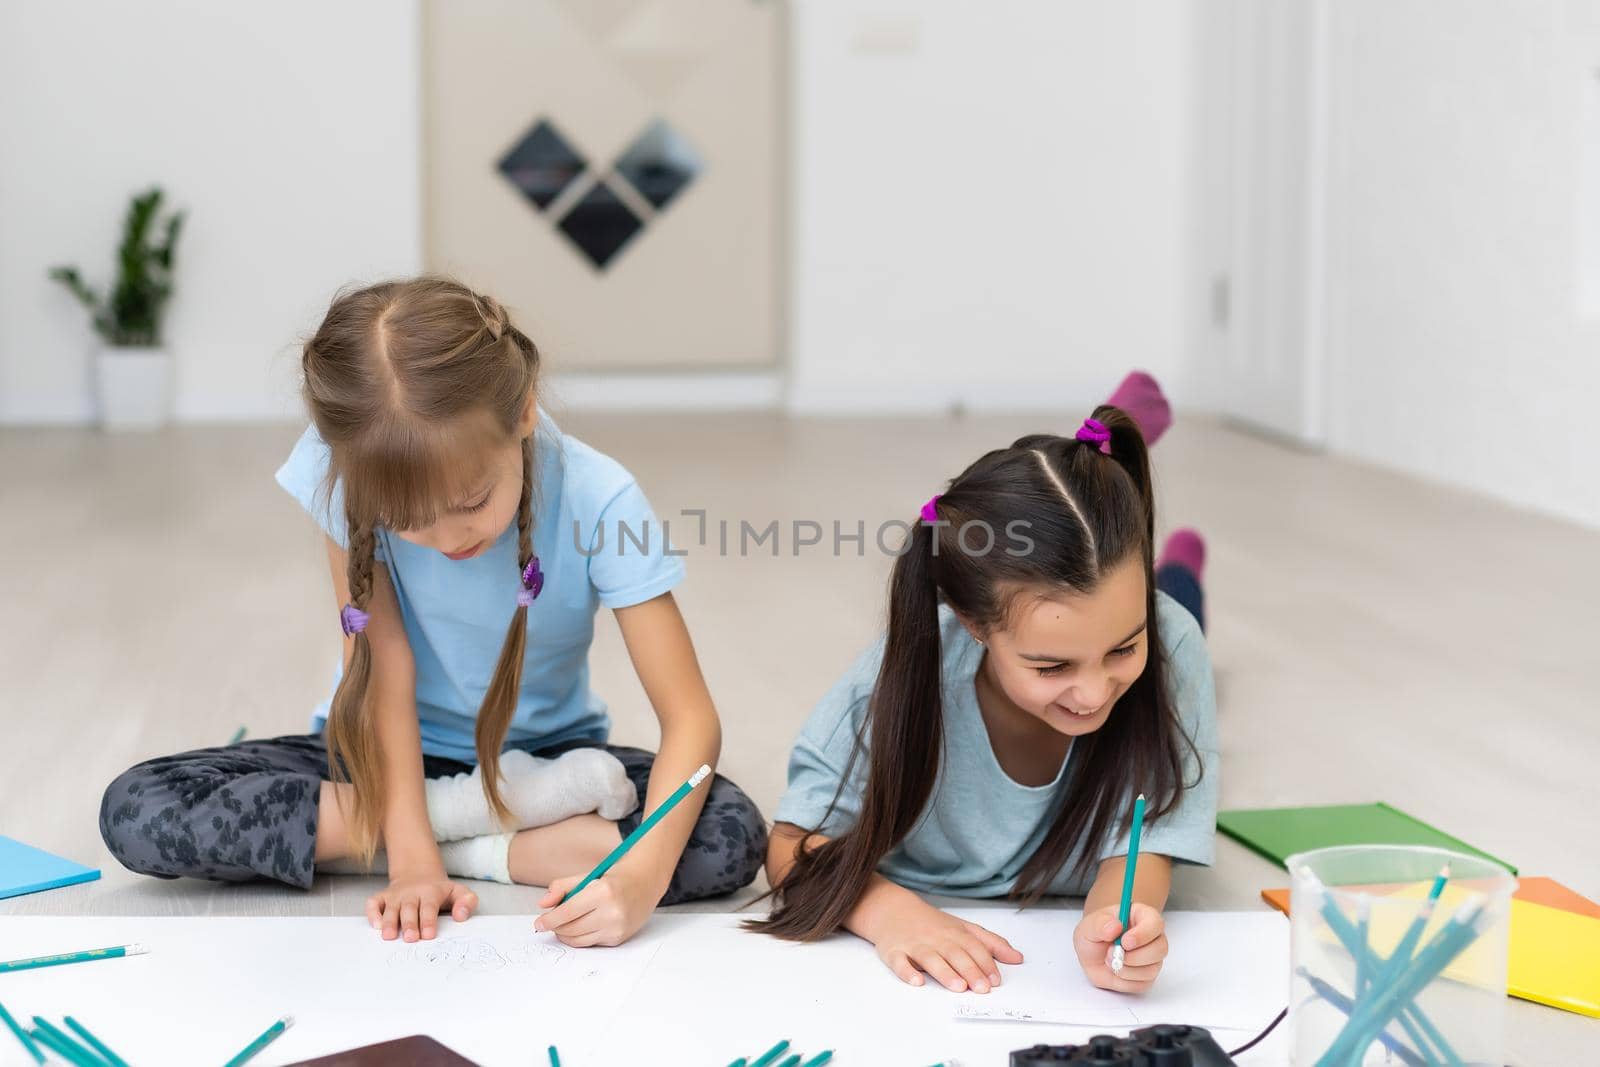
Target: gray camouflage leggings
column 249, row 811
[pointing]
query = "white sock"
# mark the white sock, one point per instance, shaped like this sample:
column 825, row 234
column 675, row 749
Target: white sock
column 538, row 792
column 486, row 858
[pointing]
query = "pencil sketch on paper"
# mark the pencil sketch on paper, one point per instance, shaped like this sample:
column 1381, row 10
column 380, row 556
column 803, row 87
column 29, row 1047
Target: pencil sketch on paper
column 971, row 1012
column 475, row 955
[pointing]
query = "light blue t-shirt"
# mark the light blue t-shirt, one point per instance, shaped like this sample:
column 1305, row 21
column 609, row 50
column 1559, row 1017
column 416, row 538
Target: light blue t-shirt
column 981, row 827
column 456, row 611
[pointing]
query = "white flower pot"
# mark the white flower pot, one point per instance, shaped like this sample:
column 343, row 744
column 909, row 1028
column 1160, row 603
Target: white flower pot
column 134, row 387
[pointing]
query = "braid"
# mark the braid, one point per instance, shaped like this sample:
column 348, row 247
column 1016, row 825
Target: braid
column 358, row 571
column 353, row 752
column 525, row 507
column 500, row 699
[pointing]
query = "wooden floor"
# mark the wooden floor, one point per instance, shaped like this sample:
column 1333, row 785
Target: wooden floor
column 1374, row 637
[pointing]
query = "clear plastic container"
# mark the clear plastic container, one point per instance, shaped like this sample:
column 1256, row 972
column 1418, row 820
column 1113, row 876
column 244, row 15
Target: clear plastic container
column 1382, row 976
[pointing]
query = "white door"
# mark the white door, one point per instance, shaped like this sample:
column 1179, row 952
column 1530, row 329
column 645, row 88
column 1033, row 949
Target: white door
column 609, row 169
column 1264, row 78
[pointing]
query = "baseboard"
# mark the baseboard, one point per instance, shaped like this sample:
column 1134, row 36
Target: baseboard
column 939, row 398
column 722, row 391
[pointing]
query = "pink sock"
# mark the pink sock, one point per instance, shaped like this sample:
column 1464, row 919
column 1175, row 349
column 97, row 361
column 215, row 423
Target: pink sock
column 1141, row 397
column 1187, row 549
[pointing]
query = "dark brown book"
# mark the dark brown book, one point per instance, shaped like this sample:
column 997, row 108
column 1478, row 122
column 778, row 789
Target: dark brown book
column 416, row 1051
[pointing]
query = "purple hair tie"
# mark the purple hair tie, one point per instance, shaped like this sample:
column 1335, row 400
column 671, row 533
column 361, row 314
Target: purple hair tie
column 352, row 620
column 1094, row 431
column 532, row 584
column 930, row 511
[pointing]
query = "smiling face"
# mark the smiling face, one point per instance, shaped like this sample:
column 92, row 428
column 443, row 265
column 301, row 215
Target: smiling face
column 1066, row 657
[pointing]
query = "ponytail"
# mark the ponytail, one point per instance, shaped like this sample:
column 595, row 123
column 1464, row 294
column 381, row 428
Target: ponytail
column 1129, row 450
column 354, row 756
column 905, row 722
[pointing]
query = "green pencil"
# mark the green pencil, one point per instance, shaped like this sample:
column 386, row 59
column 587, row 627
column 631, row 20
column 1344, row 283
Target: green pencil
column 21, row 1035
column 6, row 967
column 99, row 1046
column 740, row 1062
column 792, row 1061
column 268, row 1036
column 769, row 1056
column 64, row 1048
column 819, row 1059
column 555, row 1057
column 238, row 735
column 632, row 839
column 1124, row 912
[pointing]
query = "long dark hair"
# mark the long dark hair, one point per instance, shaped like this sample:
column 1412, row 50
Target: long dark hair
column 1086, row 513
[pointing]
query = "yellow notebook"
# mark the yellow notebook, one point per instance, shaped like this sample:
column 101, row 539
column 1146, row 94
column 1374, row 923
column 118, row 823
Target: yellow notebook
column 1555, row 958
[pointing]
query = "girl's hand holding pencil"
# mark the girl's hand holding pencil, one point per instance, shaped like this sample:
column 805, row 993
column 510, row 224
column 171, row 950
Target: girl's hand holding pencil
column 610, row 903
column 608, row 912
column 1144, row 947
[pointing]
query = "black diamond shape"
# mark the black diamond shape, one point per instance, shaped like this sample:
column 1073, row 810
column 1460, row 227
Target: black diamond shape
column 600, row 224
column 541, row 164
column 660, row 164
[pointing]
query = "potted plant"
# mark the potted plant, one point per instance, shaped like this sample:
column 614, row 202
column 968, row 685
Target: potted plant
column 133, row 372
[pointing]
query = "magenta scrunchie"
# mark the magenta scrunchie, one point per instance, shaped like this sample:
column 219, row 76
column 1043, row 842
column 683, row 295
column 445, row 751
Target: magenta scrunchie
column 1093, row 431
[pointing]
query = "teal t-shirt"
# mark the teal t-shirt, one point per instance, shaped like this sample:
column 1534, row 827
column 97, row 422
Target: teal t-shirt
column 981, row 827
column 456, row 611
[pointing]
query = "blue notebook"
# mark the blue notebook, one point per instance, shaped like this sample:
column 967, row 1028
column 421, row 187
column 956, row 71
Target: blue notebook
column 25, row 869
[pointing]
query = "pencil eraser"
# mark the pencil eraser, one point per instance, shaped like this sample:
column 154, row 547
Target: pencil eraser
column 701, row 775
column 135, row 949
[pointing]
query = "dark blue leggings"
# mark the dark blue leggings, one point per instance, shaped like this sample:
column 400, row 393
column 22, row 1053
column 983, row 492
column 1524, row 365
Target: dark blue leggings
column 1180, row 583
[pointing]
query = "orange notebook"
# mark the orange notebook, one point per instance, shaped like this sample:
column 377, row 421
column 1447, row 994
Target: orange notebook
column 1546, row 891
column 1555, row 936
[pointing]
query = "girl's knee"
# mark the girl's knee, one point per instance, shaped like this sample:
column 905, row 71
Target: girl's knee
column 726, row 850
column 128, row 802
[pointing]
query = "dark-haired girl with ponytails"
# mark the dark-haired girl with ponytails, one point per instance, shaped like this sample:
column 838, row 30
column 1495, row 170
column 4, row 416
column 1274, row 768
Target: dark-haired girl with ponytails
column 470, row 544
column 1041, row 668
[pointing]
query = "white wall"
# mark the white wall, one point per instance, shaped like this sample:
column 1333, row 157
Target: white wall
column 1458, row 347
column 992, row 203
column 290, row 133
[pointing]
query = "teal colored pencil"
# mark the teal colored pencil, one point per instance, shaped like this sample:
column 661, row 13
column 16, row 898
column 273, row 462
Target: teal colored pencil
column 1363, row 932
column 771, row 1055
column 819, row 1059
column 87, row 1055
column 94, row 1042
column 21, row 1035
column 632, row 839
column 1408, row 942
column 555, row 1057
column 268, row 1036
column 238, row 735
column 1126, row 910
column 792, row 1061
column 740, row 1062
column 57, row 1042
column 7, row 966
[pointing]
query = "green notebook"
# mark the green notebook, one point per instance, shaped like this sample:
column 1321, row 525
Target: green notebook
column 1278, row 833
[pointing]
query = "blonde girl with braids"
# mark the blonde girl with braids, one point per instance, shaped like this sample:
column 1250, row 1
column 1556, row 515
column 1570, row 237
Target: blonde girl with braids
column 1041, row 667
column 470, row 543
